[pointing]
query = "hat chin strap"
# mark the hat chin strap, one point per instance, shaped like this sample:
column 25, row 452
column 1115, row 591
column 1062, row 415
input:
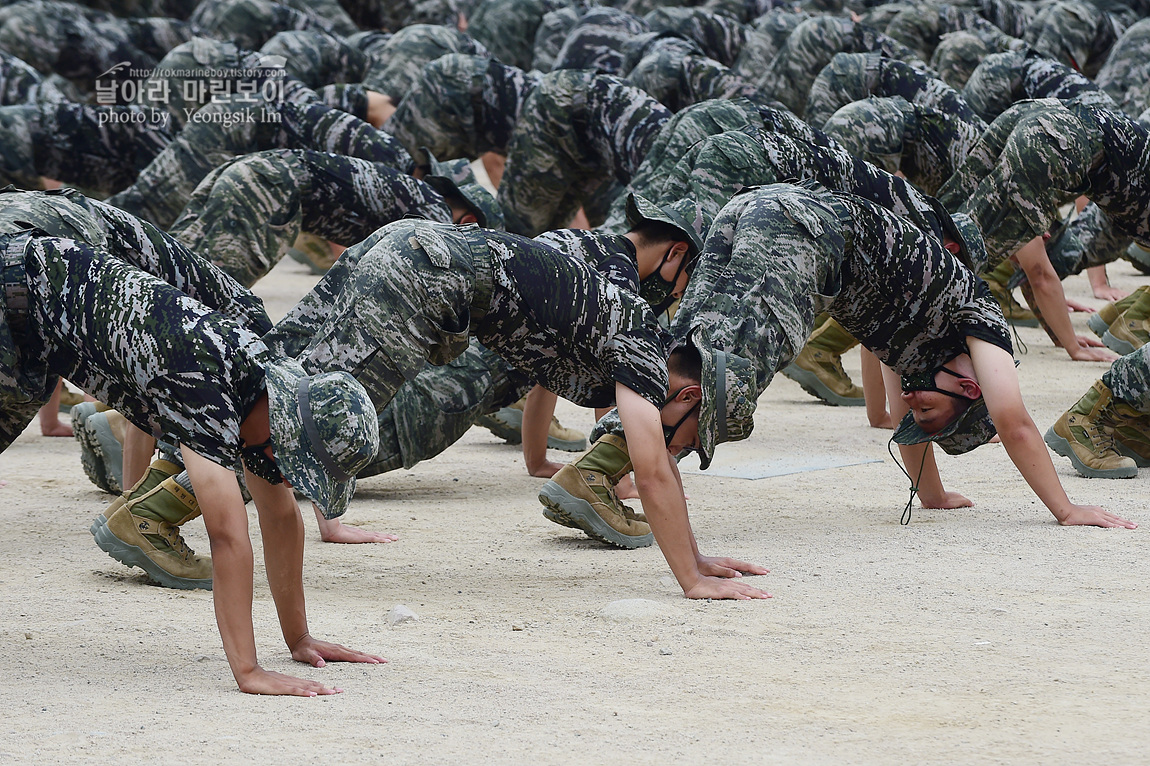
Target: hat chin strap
column 721, row 396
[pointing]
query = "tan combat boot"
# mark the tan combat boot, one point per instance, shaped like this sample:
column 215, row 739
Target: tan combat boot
column 100, row 433
column 818, row 368
column 145, row 532
column 582, row 495
column 1086, row 434
column 1101, row 319
column 157, row 472
column 1014, row 311
column 1131, row 330
column 507, row 424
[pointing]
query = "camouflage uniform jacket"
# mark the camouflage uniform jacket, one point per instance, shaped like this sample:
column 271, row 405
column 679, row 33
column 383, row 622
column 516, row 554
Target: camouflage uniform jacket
column 597, row 42
column 1004, row 78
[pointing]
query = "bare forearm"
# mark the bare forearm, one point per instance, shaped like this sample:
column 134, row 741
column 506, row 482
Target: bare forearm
column 1027, row 451
column 283, row 534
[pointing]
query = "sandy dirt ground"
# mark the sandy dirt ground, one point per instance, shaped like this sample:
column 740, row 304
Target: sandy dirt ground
column 983, row 635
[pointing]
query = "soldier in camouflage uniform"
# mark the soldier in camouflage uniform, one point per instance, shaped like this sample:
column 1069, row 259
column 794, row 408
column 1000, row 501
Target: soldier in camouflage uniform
column 1126, row 73
column 397, row 63
column 763, row 38
column 226, row 129
column 956, row 56
column 597, row 41
column 99, row 148
column 778, row 254
column 1004, row 78
column 854, row 76
column 507, row 28
column 1080, row 34
column 184, row 369
column 461, row 106
column 391, row 15
column 21, row 84
column 1037, row 156
column 811, row 47
column 719, row 36
column 576, row 130
column 1106, row 433
column 921, row 27
column 81, row 44
column 251, row 23
column 415, row 291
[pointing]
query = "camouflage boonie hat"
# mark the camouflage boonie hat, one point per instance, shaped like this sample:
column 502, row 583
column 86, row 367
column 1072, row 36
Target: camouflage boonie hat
column 684, row 214
column 457, row 178
column 324, row 430
column 726, row 413
column 972, row 239
column 971, row 429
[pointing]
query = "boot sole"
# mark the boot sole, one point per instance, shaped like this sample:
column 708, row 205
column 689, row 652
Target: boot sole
column 92, row 458
column 1097, row 325
column 1117, row 345
column 816, row 388
column 132, row 556
column 1062, row 447
column 112, row 453
column 565, row 445
column 572, row 512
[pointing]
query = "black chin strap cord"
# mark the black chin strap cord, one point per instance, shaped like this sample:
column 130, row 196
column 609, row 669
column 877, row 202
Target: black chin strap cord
column 909, row 510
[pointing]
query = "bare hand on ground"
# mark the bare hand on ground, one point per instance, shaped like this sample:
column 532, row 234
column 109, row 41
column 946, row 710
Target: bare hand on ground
column 1075, row 306
column 260, row 681
column 718, row 587
column 545, row 470
column 949, row 500
column 1091, row 350
column 1094, row 516
column 314, row 652
column 721, row 566
column 346, row 533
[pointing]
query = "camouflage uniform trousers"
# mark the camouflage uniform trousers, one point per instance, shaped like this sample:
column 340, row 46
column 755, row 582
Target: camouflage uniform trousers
column 461, row 106
column 598, row 40
column 247, row 212
column 224, row 130
column 433, row 410
column 389, row 305
column 810, row 48
column 399, row 61
column 1129, row 379
column 1126, row 74
column 192, row 75
column 81, row 44
column 1005, row 78
column 853, row 77
column 1031, row 160
column 1088, row 240
column 99, row 148
column 677, row 76
column 507, row 28
column 251, row 23
column 576, row 130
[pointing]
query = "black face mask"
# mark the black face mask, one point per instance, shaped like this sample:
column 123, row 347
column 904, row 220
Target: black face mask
column 257, row 461
column 656, row 290
column 924, row 381
column 670, row 431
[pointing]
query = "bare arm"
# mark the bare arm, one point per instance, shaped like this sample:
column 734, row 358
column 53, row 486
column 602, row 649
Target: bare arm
column 999, row 382
column 661, row 489
column 1051, row 301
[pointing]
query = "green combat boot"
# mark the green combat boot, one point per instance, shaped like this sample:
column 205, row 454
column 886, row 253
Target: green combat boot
column 157, row 472
column 1131, row 330
column 582, row 496
column 1101, row 319
column 1014, row 311
column 1139, row 256
column 314, row 252
column 507, row 424
column 1086, row 434
column 819, row 367
column 100, row 452
column 145, row 533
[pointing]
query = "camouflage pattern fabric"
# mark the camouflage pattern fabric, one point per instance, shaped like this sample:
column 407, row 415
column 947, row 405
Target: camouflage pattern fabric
column 576, row 129
column 719, row 36
column 391, row 15
column 957, row 55
column 1041, row 154
column 434, row 409
column 21, row 84
column 100, row 148
column 674, row 72
column 461, row 106
column 507, row 28
column 855, row 76
column 227, row 129
column 1077, row 33
column 1129, row 379
column 80, row 43
column 1004, row 78
column 810, row 48
column 1088, row 240
column 763, row 39
column 923, row 143
column 1126, row 74
column 316, row 58
column 251, row 23
column 247, row 213
column 176, row 9
column 116, row 284
column 921, row 26
column 551, row 34
column 189, row 76
column 398, row 63
column 598, row 40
